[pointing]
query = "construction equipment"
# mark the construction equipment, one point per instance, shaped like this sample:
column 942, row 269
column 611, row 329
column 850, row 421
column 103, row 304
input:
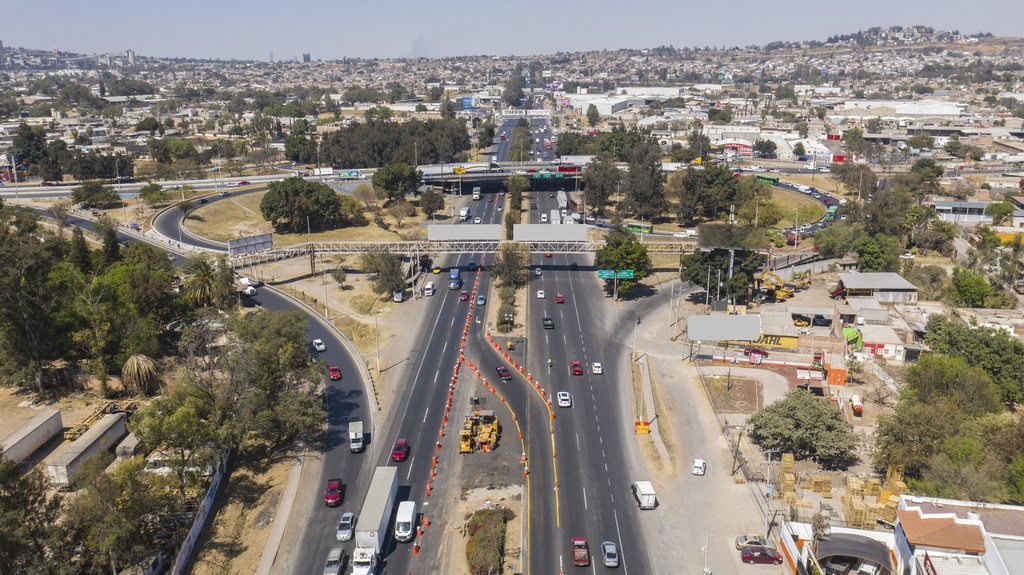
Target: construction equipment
column 774, row 285
column 104, row 408
column 802, row 280
column 480, row 430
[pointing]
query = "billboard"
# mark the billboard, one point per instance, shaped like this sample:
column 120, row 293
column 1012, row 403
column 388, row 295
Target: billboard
column 250, row 245
column 723, row 328
column 485, row 232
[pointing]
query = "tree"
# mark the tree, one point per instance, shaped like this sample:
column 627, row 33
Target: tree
column 485, row 137
column 807, row 427
column 802, row 128
column 622, row 251
column 837, row 240
column 370, row 196
column 339, row 275
column 59, row 211
column 799, row 150
column 94, row 194
column 78, row 253
column 999, row 212
column 510, row 264
column 149, row 124
column 969, row 289
column 401, row 210
column 765, row 148
column 431, row 202
column 153, row 194
column 937, row 378
column 593, row 116
column 447, row 109
column 516, row 184
column 137, row 372
column 111, row 247
column 601, row 179
column 994, row 351
column 388, row 270
column 295, row 205
column 199, row 280
column 298, row 148
column 878, row 253
column 30, row 521
column 645, row 194
column 397, row 180
column 350, row 212
column 921, row 141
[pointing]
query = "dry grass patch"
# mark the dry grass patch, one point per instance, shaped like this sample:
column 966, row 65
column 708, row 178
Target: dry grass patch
column 810, row 209
column 363, row 303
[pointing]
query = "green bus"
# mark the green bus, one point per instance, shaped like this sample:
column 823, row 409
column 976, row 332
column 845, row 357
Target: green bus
column 830, row 213
column 773, row 180
column 640, row 228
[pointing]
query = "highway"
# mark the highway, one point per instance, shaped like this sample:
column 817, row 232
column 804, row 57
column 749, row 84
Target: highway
column 593, row 436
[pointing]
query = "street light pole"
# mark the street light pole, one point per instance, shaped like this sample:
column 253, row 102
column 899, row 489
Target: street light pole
column 325, row 293
column 632, row 351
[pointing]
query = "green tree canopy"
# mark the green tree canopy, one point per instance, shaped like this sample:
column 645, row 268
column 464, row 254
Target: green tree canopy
column 622, row 251
column 431, row 202
column 293, row 204
column 601, row 179
column 808, row 427
column 94, row 194
column 398, row 180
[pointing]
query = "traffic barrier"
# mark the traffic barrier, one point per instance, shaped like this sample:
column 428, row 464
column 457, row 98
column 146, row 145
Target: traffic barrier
column 554, row 453
column 552, row 415
column 526, row 471
column 438, row 446
column 415, row 548
column 529, row 377
column 523, row 459
column 440, row 433
column 426, row 522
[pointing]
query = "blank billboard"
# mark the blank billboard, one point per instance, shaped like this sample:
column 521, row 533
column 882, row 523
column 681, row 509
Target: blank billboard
column 461, row 232
column 250, row 245
column 723, row 327
column 549, row 232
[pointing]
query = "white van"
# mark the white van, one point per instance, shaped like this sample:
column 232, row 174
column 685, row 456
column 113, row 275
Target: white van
column 428, row 289
column 405, row 521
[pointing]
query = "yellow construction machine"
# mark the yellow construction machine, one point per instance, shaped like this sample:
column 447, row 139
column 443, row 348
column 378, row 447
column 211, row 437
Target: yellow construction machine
column 480, row 430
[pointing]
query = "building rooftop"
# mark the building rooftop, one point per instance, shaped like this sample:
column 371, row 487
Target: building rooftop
column 940, row 531
column 997, row 518
column 877, row 281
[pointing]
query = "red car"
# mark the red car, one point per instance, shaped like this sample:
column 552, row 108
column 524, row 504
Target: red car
column 559, row 298
column 334, row 373
column 503, row 373
column 243, row 182
column 576, row 368
column 753, row 555
column 400, row 452
column 755, row 350
column 332, row 497
column 463, row 295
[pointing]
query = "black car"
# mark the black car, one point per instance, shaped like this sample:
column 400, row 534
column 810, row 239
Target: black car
column 574, row 266
column 821, row 320
column 548, row 323
column 472, row 265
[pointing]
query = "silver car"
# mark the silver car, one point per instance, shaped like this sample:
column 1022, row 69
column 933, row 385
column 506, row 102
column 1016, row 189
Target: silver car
column 346, row 527
column 609, row 554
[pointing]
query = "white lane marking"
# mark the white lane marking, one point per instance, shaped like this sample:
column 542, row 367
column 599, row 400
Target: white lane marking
column 425, row 413
column 585, row 498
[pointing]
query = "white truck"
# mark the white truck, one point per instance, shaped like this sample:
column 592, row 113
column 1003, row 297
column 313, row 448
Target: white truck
column 355, row 436
column 556, row 217
column 35, row 433
column 106, row 434
column 463, row 214
column 563, row 200
column 373, row 521
column 643, row 491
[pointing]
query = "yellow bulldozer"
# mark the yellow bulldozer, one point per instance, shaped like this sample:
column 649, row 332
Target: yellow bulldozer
column 773, row 284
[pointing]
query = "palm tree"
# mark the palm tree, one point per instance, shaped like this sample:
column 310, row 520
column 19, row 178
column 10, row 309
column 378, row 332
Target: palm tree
column 199, row 277
column 137, row 373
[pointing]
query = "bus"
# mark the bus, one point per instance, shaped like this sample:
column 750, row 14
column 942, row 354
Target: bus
column 830, row 213
column 772, row 180
column 640, row 228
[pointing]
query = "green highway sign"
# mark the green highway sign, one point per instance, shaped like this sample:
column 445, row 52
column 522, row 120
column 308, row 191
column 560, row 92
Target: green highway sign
column 625, row 274
column 606, row 274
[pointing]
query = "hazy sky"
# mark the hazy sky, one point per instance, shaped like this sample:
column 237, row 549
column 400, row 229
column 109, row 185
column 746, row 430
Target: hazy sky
column 252, row 29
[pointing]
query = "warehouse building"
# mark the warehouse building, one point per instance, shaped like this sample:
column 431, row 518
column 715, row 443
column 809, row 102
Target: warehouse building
column 886, row 287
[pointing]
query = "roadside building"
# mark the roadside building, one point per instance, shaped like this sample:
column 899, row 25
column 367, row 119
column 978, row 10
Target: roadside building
column 886, row 287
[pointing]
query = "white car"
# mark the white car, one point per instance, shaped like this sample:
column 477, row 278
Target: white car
column 318, row 344
column 699, row 467
column 907, row 256
column 564, row 399
column 249, row 290
column 540, row 294
column 597, row 368
column 477, row 220
column 346, row 526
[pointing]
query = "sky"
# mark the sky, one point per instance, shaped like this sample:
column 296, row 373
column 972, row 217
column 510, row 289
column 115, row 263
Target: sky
column 330, row 30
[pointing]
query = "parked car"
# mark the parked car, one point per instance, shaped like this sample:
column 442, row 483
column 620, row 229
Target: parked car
column 334, row 373
column 400, row 452
column 755, row 351
column 752, row 540
column 346, row 527
column 754, row 555
column 332, row 495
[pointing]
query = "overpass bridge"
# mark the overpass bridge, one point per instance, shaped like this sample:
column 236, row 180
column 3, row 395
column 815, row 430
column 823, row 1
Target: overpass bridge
column 415, row 247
